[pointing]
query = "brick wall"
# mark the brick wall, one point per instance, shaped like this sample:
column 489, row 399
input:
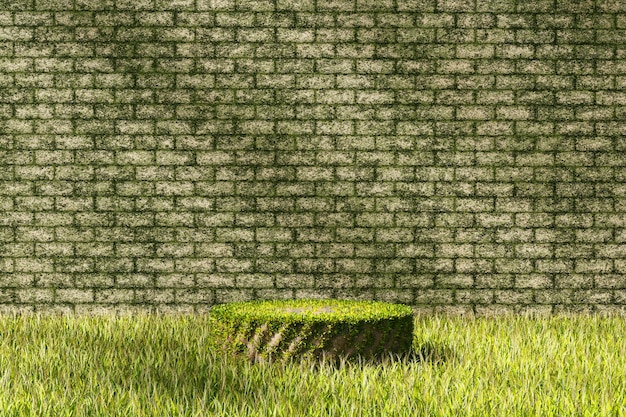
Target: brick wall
column 465, row 156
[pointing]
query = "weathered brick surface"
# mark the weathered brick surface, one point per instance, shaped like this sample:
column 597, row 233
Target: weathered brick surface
column 460, row 156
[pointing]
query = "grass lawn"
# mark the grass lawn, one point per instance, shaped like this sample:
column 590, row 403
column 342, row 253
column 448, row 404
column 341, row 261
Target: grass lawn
column 161, row 366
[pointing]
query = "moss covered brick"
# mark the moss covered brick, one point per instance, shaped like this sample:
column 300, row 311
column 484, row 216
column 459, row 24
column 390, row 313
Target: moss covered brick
column 462, row 156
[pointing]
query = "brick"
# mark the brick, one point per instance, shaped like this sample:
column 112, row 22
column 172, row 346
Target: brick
column 17, row 280
column 336, row 5
column 494, row 280
column 434, row 296
column 423, row 6
column 20, row 249
column 215, row 4
column 295, row 5
column 480, row 297
column 513, row 296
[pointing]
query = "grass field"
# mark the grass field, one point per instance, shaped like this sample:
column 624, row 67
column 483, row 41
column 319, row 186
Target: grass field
column 160, row 366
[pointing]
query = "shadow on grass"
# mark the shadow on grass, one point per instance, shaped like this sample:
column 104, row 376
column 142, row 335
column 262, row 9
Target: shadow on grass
column 426, row 353
column 226, row 378
column 432, row 353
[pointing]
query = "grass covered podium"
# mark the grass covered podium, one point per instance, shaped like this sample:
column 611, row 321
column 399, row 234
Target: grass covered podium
column 280, row 330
